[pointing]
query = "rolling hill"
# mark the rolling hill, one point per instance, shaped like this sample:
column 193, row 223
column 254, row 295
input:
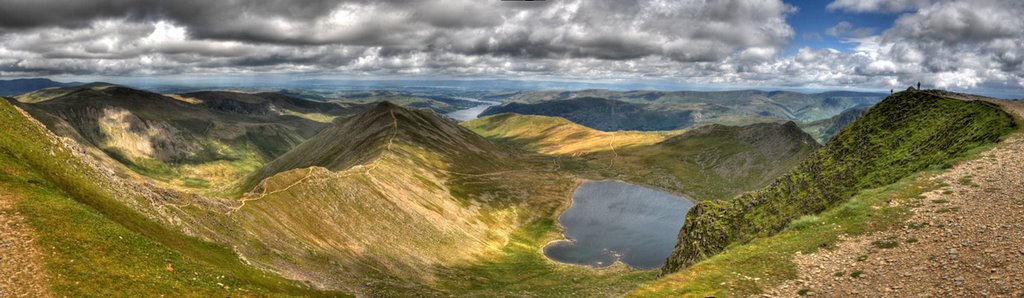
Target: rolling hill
column 95, row 233
column 706, row 163
column 391, row 196
column 189, row 140
column 906, row 133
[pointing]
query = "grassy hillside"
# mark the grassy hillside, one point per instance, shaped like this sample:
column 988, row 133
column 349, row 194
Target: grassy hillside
column 94, row 245
column 397, row 201
column 195, row 141
column 744, row 270
column 711, row 162
column 904, row 134
column 556, row 135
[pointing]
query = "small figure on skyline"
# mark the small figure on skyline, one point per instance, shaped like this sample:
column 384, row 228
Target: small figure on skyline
column 918, row 85
column 890, row 91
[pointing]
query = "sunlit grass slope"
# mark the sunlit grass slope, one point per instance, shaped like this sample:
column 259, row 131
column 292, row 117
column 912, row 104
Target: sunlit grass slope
column 555, row 135
column 95, row 246
column 709, row 162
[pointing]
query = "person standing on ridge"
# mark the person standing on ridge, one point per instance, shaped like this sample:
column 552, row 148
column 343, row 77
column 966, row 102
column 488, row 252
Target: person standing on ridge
column 918, row 85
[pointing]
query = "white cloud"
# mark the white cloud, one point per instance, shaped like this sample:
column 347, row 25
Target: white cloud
column 884, row 6
column 951, row 44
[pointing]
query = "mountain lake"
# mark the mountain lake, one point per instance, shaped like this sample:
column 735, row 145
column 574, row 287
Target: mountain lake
column 473, row 112
column 616, row 221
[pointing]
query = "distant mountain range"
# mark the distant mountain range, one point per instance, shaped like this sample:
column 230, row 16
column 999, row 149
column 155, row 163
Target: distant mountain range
column 19, row 86
column 186, row 139
column 657, row 110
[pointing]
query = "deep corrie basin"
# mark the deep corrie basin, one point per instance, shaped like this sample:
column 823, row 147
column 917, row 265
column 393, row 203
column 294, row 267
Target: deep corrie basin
column 613, row 221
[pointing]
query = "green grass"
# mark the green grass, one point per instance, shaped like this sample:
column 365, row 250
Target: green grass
column 95, row 246
column 716, row 163
column 520, row 268
column 904, row 134
column 195, row 182
column 318, row 117
column 747, row 269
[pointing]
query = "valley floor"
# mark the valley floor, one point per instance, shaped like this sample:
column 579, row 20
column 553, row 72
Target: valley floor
column 965, row 239
column 21, row 268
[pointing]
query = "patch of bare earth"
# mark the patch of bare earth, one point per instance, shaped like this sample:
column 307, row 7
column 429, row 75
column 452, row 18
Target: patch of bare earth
column 963, row 240
column 21, row 270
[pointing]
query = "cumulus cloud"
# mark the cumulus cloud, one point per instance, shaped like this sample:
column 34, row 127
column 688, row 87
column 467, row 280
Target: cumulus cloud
column 844, row 29
column 115, row 37
column 945, row 43
column 877, row 5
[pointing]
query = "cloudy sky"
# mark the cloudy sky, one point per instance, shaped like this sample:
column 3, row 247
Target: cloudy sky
column 975, row 45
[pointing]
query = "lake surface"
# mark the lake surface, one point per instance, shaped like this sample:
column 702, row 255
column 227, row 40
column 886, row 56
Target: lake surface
column 473, row 112
column 614, row 220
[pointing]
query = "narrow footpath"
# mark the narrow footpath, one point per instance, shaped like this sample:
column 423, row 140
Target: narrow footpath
column 22, row 273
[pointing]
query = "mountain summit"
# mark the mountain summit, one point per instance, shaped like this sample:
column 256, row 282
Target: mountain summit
column 363, row 138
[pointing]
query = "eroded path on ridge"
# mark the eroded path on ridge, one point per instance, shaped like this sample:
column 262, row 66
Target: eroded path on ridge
column 965, row 239
column 21, row 269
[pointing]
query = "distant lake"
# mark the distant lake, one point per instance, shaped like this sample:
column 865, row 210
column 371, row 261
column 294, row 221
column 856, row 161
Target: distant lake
column 614, row 220
column 473, row 112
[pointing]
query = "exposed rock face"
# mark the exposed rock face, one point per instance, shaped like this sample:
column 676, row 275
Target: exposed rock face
column 903, row 134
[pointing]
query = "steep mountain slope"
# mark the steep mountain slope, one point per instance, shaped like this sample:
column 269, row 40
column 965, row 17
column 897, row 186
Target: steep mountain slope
column 709, row 162
column 823, row 130
column 959, row 237
column 19, row 86
column 390, row 196
column 185, row 142
column 364, row 137
column 906, row 133
column 729, row 107
column 92, row 240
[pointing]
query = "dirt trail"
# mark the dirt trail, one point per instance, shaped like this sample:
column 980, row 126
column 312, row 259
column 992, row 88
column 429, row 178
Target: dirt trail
column 965, row 240
column 21, row 269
